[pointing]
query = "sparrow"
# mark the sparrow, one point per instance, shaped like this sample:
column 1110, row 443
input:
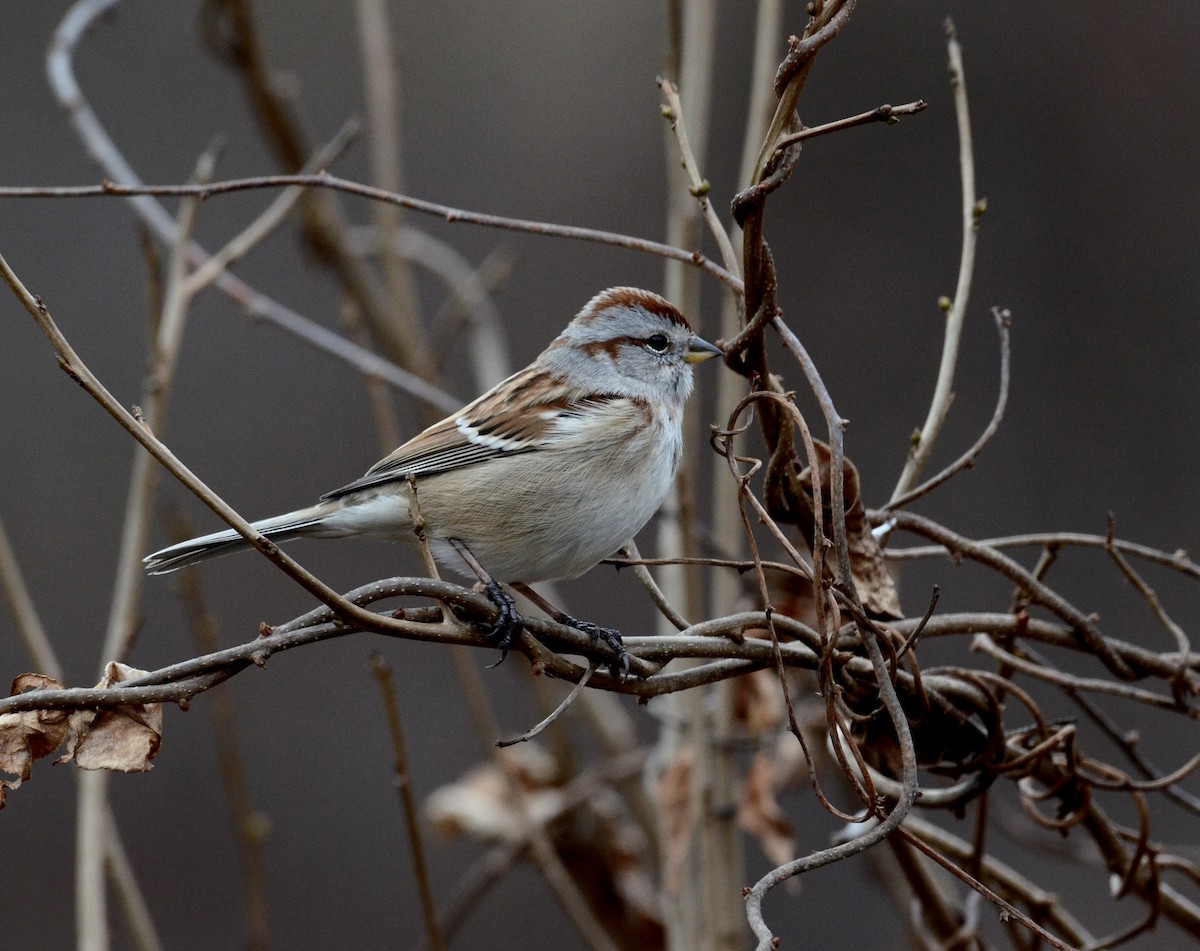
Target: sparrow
column 540, row 478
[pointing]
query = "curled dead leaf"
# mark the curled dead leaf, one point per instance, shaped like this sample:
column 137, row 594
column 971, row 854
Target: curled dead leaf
column 871, row 576
column 758, row 706
column 679, row 819
column 481, row 805
column 760, row 814
column 29, row 735
column 124, row 738
column 585, row 819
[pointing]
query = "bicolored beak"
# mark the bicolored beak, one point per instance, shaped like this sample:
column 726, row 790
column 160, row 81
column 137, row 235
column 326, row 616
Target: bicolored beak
column 700, row 350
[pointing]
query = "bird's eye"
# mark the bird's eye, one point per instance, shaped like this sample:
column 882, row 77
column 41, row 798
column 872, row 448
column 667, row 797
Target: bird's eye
column 658, row 343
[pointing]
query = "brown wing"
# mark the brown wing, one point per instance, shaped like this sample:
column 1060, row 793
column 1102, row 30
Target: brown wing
column 503, row 422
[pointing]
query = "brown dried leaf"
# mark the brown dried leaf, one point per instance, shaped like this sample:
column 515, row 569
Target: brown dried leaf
column 759, row 813
column 758, row 706
column 871, row 576
column 480, row 804
column 608, row 856
column 679, row 819
column 121, row 738
column 29, row 735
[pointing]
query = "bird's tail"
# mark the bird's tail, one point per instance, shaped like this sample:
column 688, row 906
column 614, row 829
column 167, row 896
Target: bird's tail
column 281, row 528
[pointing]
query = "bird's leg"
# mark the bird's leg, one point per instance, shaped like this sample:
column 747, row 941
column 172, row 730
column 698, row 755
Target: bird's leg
column 607, row 636
column 509, row 624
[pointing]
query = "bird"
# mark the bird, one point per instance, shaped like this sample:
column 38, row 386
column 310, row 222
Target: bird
column 541, row 477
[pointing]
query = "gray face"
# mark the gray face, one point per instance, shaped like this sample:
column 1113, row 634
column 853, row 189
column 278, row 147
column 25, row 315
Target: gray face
column 631, row 341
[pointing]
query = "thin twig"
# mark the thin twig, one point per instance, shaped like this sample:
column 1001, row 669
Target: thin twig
column 1182, row 644
column 967, row 459
column 446, row 213
column 558, row 711
column 632, row 557
column 972, row 209
column 29, row 622
column 885, row 113
column 387, row 688
column 1005, row 908
column 699, row 187
column 104, row 152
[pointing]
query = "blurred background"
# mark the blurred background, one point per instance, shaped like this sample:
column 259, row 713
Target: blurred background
column 1086, row 150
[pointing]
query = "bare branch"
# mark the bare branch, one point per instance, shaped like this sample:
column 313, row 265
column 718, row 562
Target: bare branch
column 972, row 210
column 387, row 687
column 967, row 459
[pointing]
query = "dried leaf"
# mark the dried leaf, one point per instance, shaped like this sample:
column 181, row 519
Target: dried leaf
column 29, row 735
column 481, row 803
column 679, row 819
column 759, row 813
column 123, row 738
column 598, row 840
column 758, row 706
column 871, row 576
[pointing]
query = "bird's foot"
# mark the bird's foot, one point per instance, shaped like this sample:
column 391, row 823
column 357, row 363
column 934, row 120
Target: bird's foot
column 509, row 624
column 607, row 636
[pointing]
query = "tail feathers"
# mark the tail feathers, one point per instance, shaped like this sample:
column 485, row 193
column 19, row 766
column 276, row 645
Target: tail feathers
column 282, row 528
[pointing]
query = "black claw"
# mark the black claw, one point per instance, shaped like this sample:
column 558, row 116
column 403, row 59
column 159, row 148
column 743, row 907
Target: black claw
column 611, row 639
column 508, row 625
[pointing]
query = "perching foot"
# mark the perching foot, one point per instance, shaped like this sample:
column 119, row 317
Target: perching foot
column 607, row 636
column 508, row 625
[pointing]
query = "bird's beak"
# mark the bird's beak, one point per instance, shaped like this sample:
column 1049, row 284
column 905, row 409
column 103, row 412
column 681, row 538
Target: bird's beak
column 700, row 350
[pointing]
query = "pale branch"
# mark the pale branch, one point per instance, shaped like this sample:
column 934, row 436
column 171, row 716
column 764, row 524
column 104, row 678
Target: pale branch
column 104, row 152
column 967, row 459
column 468, row 295
column 972, row 210
column 25, row 612
column 699, row 187
column 554, row 715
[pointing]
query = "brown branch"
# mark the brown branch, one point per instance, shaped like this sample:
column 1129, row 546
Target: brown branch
column 447, row 213
column 1177, row 560
column 248, row 823
column 884, row 113
column 382, row 671
column 1005, row 908
column 1084, row 627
